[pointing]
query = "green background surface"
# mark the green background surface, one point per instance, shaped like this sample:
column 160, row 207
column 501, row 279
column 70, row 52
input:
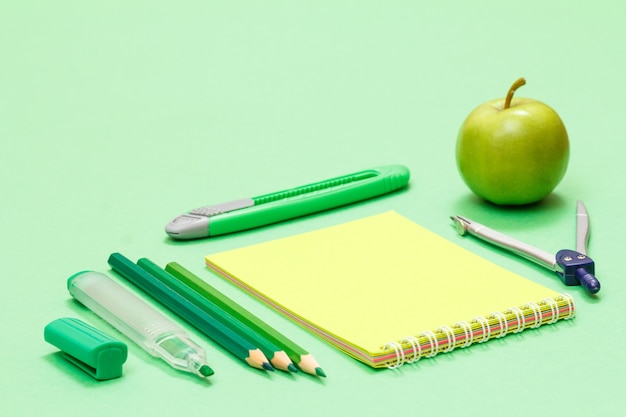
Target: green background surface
column 117, row 116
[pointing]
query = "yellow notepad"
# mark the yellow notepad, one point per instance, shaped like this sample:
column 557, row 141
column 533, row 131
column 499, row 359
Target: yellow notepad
column 387, row 291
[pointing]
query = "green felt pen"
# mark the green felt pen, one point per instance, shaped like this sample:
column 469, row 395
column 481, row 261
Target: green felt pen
column 271, row 208
column 140, row 322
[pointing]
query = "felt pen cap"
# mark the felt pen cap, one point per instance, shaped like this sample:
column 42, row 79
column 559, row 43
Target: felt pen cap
column 96, row 353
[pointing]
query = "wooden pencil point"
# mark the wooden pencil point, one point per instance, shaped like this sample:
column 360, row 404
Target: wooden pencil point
column 281, row 361
column 257, row 359
column 309, row 365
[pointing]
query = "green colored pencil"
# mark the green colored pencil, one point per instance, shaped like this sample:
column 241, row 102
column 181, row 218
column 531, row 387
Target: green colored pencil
column 277, row 357
column 303, row 359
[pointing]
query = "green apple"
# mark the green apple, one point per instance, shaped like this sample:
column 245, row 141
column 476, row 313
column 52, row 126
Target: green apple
column 512, row 151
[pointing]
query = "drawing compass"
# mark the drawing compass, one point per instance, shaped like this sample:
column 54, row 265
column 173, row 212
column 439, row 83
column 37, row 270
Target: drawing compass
column 574, row 267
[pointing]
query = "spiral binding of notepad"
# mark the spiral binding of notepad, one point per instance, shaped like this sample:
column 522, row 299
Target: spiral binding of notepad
column 479, row 330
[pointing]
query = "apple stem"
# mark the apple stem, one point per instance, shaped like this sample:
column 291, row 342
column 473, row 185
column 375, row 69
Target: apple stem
column 517, row 84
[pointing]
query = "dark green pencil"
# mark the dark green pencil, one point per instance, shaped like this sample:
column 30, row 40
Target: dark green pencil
column 303, row 359
column 277, row 357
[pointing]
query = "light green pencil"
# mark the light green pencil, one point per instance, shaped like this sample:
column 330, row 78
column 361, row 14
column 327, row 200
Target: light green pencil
column 303, row 359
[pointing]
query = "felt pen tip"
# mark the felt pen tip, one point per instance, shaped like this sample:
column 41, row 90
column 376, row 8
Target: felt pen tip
column 205, row 371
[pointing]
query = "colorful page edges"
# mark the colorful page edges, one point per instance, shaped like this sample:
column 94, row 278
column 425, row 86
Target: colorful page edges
column 442, row 340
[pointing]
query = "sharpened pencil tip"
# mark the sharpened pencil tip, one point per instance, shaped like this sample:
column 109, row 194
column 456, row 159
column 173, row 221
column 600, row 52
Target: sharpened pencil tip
column 309, row 365
column 258, row 360
column 291, row 367
column 281, row 361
